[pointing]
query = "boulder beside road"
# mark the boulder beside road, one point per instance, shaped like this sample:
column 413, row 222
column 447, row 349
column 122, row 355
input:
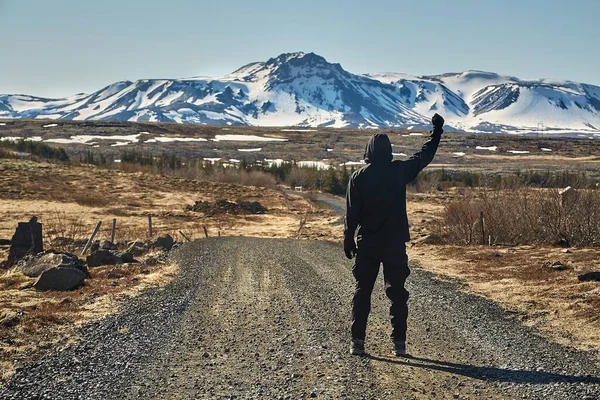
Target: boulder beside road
column 107, row 253
column 138, row 248
column 103, row 257
column 34, row 266
column 60, row 279
column 55, row 271
column 165, row 242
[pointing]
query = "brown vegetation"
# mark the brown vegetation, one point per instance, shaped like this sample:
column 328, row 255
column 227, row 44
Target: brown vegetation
column 523, row 216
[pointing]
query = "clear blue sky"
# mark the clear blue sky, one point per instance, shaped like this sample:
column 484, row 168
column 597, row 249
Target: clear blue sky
column 63, row 47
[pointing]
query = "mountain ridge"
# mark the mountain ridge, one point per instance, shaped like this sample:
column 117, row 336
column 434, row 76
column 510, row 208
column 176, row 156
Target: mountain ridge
column 304, row 89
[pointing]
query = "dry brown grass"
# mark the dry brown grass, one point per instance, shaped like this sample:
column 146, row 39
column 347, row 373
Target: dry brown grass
column 555, row 302
column 30, row 188
column 49, row 319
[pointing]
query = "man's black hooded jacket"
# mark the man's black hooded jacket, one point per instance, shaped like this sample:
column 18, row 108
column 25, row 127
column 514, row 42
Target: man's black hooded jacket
column 376, row 195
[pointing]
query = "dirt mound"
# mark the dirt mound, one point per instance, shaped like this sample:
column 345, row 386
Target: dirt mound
column 227, row 207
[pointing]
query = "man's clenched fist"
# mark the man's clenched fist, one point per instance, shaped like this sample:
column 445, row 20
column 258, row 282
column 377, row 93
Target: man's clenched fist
column 437, row 121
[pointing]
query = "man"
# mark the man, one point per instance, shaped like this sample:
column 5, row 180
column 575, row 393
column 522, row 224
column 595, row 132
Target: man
column 376, row 204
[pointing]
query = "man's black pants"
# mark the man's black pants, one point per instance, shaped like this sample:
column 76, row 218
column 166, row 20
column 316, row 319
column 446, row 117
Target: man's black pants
column 395, row 272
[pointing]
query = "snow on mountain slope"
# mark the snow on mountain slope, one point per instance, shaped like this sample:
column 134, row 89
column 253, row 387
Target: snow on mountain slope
column 480, row 101
column 300, row 89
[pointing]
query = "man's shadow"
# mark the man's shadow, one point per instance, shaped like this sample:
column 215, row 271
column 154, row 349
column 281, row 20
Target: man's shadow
column 489, row 373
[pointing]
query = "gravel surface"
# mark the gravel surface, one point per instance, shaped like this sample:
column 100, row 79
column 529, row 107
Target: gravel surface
column 269, row 318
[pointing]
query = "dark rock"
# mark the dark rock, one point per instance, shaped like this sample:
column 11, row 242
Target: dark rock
column 60, row 278
column 108, row 245
column 150, row 261
column 26, row 240
column 9, row 318
column 227, row 207
column 164, row 242
column 103, row 257
column 555, row 265
column 137, row 248
column 590, row 276
column 126, row 257
column 34, row 266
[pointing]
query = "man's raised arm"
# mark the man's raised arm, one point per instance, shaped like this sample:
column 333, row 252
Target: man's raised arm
column 421, row 159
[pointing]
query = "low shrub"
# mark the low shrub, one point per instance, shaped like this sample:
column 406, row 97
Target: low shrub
column 523, row 216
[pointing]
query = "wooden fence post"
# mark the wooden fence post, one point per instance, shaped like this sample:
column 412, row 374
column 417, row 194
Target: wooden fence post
column 149, row 225
column 184, row 236
column 113, row 231
column 205, row 231
column 90, row 240
column 302, row 223
column 482, row 228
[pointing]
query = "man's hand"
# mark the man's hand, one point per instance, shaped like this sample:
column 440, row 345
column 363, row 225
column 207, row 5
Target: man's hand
column 437, row 121
column 349, row 247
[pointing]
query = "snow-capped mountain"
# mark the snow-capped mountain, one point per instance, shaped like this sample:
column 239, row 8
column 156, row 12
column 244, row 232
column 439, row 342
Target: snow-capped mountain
column 303, row 89
column 478, row 101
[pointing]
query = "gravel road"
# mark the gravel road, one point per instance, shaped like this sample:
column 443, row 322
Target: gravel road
column 269, row 318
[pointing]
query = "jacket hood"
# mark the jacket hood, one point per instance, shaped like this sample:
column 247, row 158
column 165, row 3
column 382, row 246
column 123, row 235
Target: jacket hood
column 379, row 149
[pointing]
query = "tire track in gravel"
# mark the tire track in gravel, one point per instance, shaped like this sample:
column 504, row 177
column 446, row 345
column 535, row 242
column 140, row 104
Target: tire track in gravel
column 270, row 318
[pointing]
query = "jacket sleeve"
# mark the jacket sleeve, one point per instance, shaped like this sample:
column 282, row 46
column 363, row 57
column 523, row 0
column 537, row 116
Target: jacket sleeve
column 353, row 208
column 421, row 159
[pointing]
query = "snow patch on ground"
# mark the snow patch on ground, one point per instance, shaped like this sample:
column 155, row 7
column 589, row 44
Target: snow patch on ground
column 50, row 126
column 459, row 154
column 519, row 151
column 176, row 139
column 17, row 138
column 490, row 148
column 320, row 165
column 212, row 160
column 250, row 150
column 246, row 138
column 545, row 149
column 277, row 162
column 353, row 163
column 86, row 139
column 298, row 130
column 399, row 154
